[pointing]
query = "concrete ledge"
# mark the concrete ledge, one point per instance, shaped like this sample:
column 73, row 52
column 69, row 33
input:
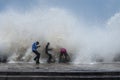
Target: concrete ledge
column 59, row 75
column 59, row 72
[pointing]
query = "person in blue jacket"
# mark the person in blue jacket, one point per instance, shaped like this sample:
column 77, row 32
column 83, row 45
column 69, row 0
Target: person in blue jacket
column 35, row 45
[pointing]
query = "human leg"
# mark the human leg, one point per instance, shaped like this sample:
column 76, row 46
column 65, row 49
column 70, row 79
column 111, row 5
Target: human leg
column 37, row 56
column 67, row 58
column 49, row 57
column 60, row 57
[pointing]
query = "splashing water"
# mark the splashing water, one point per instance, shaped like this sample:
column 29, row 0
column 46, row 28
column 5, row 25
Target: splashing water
column 62, row 29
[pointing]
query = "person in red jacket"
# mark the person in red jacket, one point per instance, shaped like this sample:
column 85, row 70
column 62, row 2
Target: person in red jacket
column 63, row 57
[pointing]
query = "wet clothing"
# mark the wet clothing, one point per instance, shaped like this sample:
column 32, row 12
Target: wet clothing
column 47, row 49
column 63, row 50
column 34, row 49
column 37, row 57
column 63, row 53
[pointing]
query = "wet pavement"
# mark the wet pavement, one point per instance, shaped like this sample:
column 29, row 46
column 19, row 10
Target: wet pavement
column 55, row 67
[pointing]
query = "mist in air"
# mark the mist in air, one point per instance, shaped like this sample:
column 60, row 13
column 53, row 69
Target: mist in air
column 62, row 28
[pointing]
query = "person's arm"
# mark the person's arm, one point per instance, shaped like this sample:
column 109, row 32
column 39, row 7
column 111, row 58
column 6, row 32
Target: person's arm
column 38, row 46
column 50, row 49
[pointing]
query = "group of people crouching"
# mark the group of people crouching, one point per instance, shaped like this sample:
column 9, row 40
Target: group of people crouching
column 63, row 56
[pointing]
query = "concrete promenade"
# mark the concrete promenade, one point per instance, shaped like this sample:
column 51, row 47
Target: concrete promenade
column 30, row 71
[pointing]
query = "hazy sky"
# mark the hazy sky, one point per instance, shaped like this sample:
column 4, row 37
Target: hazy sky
column 91, row 10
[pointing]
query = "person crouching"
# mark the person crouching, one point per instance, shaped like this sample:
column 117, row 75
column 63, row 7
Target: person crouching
column 63, row 57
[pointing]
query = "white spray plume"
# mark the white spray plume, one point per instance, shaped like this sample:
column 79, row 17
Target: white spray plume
column 62, row 29
column 19, row 30
column 100, row 43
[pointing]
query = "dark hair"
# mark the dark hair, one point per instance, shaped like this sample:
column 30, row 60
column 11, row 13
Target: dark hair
column 37, row 42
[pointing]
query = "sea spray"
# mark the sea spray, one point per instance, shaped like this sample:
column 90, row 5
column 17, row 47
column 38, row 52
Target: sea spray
column 60, row 27
column 20, row 30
